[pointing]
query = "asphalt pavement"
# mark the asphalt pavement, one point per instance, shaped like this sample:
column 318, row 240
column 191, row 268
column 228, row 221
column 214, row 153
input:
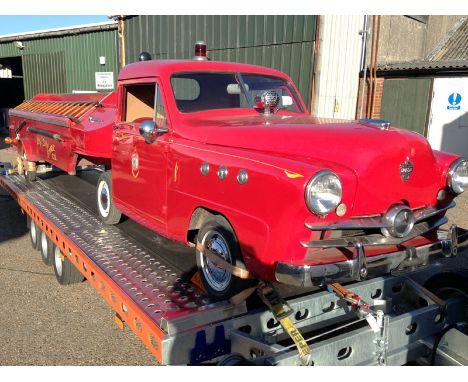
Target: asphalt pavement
column 43, row 323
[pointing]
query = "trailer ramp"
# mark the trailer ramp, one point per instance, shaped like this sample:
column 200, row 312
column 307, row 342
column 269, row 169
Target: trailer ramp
column 180, row 325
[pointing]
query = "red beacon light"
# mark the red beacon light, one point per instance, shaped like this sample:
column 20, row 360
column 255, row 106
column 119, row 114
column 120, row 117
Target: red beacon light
column 200, row 51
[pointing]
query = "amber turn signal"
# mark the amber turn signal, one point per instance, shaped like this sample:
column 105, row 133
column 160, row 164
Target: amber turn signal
column 10, row 141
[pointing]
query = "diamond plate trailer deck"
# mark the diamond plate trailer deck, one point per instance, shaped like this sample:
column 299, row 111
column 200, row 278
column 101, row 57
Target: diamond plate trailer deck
column 180, row 325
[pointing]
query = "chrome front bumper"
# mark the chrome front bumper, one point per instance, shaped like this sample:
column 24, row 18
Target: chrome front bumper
column 362, row 267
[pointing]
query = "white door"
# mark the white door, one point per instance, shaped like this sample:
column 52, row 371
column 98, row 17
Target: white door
column 448, row 124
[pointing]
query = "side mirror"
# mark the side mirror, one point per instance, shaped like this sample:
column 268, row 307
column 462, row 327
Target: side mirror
column 150, row 131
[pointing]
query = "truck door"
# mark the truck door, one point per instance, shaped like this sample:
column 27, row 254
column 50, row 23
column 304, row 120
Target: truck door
column 139, row 169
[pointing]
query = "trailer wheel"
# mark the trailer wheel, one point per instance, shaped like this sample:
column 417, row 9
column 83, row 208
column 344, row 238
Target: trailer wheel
column 447, row 285
column 234, row 359
column 47, row 249
column 34, row 234
column 218, row 235
column 107, row 211
column 65, row 272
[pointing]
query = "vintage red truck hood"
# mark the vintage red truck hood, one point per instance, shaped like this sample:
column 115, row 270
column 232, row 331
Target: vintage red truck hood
column 373, row 154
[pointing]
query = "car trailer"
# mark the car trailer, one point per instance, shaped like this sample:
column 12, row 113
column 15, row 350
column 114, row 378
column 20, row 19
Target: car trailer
column 414, row 317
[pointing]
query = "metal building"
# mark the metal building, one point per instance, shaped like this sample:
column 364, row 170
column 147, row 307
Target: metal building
column 339, row 47
column 430, row 96
column 60, row 60
column 285, row 43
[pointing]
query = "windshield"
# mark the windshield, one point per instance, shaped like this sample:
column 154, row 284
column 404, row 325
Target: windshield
column 199, row 91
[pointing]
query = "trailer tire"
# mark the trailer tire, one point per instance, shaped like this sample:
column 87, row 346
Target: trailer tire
column 65, row 272
column 47, row 249
column 34, row 234
column 447, row 285
column 107, row 211
column 220, row 284
column 234, row 359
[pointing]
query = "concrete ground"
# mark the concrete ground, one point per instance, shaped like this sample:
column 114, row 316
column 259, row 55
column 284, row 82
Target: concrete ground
column 43, row 323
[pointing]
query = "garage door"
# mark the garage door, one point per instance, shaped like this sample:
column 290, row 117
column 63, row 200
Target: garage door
column 405, row 102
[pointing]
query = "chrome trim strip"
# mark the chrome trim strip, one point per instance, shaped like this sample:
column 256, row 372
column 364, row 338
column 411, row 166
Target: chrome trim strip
column 382, row 123
column 426, row 213
column 62, row 102
column 38, row 119
column 378, row 222
column 31, row 115
column 376, row 239
column 398, row 262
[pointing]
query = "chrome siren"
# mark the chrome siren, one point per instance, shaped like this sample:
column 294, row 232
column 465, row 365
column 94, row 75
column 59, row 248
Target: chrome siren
column 268, row 101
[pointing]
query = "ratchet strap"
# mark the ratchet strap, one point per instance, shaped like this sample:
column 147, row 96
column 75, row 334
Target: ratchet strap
column 282, row 310
column 376, row 319
column 217, row 260
column 355, row 301
column 362, row 308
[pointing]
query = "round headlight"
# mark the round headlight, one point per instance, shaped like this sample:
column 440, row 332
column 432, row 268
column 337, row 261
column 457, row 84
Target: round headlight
column 323, row 192
column 457, row 179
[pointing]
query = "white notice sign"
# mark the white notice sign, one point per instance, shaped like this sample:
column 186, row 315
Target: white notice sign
column 104, row 80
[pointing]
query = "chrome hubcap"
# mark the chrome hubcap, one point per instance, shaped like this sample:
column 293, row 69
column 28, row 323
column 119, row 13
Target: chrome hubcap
column 58, row 261
column 103, row 198
column 217, row 278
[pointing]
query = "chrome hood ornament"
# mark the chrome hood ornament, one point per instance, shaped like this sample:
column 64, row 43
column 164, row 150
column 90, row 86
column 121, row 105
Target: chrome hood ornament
column 406, row 168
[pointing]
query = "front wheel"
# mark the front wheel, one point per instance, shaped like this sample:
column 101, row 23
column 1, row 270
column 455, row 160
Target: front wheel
column 107, row 211
column 217, row 235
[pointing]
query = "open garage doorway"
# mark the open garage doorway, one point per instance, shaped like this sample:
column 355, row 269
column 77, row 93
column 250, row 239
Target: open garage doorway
column 11, row 87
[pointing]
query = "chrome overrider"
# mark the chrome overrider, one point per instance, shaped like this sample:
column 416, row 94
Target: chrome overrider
column 362, row 267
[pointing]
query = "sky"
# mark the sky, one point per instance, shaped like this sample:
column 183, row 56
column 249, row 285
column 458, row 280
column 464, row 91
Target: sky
column 20, row 24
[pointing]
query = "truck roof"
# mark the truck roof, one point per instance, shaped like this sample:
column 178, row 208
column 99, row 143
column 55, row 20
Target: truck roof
column 165, row 68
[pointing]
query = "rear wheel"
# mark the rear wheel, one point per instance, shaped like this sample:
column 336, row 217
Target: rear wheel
column 65, row 272
column 34, row 234
column 107, row 211
column 47, row 249
column 218, row 235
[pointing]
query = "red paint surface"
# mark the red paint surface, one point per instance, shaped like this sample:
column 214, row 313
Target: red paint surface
column 280, row 153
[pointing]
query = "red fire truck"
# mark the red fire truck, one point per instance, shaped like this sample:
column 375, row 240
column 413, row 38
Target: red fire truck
column 225, row 158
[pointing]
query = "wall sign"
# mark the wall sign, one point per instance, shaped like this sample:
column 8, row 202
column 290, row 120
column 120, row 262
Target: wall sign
column 104, row 80
column 454, row 100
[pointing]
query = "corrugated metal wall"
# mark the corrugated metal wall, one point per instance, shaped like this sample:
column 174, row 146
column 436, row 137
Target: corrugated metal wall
column 405, row 102
column 80, row 54
column 285, row 43
column 52, row 80
column 338, row 65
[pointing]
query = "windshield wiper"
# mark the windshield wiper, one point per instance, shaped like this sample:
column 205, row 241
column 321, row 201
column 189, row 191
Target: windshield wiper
column 241, row 83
